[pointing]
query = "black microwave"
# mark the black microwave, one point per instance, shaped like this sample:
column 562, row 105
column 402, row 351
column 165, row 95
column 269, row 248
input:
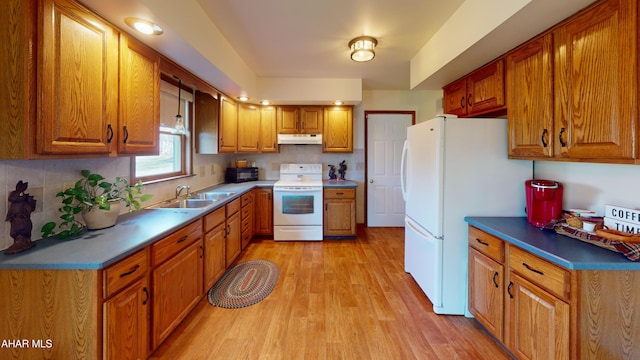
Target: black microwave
column 238, row 175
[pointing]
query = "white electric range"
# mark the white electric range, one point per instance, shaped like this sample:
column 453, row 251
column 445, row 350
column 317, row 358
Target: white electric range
column 297, row 203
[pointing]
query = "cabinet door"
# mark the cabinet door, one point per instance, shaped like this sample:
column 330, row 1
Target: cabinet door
column 126, row 323
column 311, row 119
column 206, row 123
column 596, row 83
column 339, row 217
column 287, row 119
column 248, row 128
column 17, row 78
column 455, row 98
column 538, row 323
column 338, row 129
column 263, row 211
column 268, row 130
column 228, row 125
column 77, row 80
column 177, row 288
column 214, row 258
column 486, row 292
column 530, row 99
column 485, row 88
column 232, row 239
column 139, row 123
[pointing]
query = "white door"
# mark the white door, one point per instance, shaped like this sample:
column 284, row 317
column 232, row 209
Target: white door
column 386, row 134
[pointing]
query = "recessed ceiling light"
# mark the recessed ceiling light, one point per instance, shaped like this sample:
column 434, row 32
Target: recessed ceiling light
column 337, row 102
column 243, row 98
column 265, row 102
column 143, row 26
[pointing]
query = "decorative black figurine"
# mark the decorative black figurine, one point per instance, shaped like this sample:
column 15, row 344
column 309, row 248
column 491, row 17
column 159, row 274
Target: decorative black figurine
column 332, row 172
column 342, row 169
column 19, row 215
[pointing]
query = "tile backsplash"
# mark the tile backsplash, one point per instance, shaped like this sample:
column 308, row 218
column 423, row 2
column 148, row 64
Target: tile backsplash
column 48, row 177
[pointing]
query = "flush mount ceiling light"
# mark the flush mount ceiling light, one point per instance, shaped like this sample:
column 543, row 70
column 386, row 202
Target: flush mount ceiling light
column 143, row 26
column 362, row 48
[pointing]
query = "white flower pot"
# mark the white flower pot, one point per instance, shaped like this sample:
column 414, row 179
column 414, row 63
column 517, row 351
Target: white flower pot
column 96, row 218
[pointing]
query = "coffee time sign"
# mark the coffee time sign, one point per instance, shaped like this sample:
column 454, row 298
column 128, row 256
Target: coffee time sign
column 622, row 219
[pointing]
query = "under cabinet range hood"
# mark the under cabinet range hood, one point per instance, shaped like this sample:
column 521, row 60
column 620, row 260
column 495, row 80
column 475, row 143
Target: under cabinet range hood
column 300, row 139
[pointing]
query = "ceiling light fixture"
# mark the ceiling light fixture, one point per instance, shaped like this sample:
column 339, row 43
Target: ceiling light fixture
column 337, row 102
column 243, row 98
column 362, row 48
column 265, row 102
column 143, row 26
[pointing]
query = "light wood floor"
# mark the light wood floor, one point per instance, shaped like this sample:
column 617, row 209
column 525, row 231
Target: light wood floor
column 336, row 299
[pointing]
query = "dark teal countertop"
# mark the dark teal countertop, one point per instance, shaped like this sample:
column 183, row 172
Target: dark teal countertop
column 133, row 231
column 559, row 249
column 339, row 184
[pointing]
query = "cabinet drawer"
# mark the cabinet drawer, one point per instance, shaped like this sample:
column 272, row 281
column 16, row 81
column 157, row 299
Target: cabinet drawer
column 247, row 199
column 487, row 244
column 544, row 274
column 339, row 193
column 214, row 219
column 172, row 244
column 233, row 207
column 246, row 211
column 125, row 271
column 246, row 223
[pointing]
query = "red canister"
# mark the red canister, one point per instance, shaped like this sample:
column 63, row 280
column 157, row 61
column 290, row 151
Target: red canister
column 544, row 201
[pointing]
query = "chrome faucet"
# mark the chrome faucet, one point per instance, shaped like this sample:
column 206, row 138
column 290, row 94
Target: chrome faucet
column 182, row 187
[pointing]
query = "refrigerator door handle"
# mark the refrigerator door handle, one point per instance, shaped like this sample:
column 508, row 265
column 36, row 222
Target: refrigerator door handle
column 403, row 177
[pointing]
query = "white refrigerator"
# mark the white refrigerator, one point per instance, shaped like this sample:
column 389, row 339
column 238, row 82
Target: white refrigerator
column 451, row 168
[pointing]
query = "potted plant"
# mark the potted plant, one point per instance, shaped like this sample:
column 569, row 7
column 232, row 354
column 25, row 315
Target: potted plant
column 97, row 200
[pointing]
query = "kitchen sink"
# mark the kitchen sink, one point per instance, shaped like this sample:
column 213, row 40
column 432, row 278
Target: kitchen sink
column 184, row 204
column 213, row 195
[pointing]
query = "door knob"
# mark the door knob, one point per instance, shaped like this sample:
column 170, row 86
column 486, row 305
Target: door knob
column 371, row 181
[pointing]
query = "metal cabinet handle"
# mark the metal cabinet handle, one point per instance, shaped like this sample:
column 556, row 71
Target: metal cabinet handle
column 562, row 142
column 495, row 275
column 544, row 134
column 509, row 289
column 469, row 100
column 110, row 136
column 126, row 134
column 532, row 269
column 182, row 239
column 462, row 102
column 482, row 242
column 146, row 295
column 133, row 269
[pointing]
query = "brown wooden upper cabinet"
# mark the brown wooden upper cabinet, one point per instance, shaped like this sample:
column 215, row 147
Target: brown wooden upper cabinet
column 139, row 122
column 478, row 93
column 299, row 119
column 596, row 83
column 228, row 128
column 268, row 129
column 77, row 85
column 337, row 135
column 572, row 93
column 530, row 98
column 248, row 128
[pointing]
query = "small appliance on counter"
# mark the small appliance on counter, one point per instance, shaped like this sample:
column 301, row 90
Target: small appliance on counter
column 241, row 174
column 544, row 201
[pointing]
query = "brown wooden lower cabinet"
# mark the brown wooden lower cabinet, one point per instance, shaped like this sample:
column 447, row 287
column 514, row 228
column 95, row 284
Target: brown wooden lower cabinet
column 263, row 214
column 233, row 245
column 339, row 216
column 540, row 310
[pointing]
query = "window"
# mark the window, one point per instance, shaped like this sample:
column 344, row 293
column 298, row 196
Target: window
column 174, row 158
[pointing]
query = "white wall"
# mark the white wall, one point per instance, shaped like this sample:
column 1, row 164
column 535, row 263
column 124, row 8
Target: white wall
column 592, row 186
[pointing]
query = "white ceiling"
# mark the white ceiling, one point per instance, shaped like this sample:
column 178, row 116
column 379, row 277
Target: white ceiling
column 309, row 38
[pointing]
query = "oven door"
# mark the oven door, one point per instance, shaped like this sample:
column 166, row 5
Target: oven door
column 297, row 207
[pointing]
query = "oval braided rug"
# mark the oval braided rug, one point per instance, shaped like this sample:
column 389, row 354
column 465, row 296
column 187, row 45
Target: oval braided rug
column 244, row 284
